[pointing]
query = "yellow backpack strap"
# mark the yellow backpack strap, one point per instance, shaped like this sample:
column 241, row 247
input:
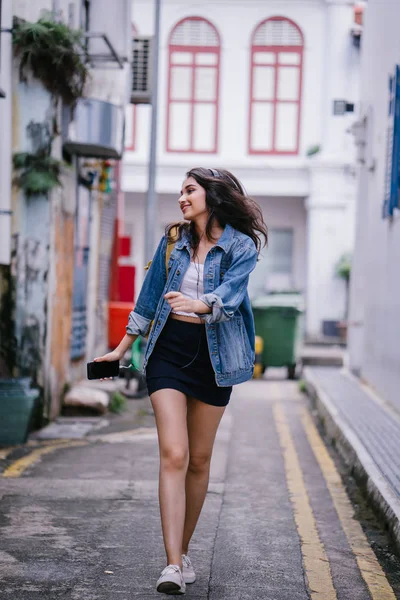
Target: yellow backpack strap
column 172, row 239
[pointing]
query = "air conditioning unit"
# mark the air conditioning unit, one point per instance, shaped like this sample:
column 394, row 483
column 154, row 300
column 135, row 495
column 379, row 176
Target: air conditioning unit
column 141, row 70
column 96, row 129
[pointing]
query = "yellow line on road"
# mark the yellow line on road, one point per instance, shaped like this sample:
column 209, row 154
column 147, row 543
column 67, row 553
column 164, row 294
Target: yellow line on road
column 315, row 560
column 19, row 466
column 368, row 564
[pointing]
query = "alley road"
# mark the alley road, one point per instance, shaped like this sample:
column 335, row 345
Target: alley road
column 80, row 521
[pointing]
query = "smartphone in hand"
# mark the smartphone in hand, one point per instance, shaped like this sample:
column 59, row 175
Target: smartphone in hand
column 100, row 370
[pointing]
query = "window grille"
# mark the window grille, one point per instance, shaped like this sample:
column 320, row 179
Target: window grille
column 141, row 70
column 278, row 32
column 130, row 114
column 194, row 32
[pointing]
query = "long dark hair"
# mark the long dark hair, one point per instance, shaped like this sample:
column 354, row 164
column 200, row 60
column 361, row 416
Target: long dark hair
column 228, row 203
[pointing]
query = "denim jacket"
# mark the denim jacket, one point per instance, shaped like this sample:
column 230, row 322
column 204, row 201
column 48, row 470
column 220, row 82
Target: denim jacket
column 230, row 325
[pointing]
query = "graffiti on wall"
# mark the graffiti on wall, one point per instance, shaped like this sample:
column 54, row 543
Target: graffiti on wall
column 30, row 270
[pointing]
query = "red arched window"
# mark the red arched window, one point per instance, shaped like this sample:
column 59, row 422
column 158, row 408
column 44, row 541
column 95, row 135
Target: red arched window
column 130, row 115
column 193, row 87
column 275, row 87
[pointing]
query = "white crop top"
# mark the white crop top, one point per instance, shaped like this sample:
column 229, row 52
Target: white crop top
column 192, row 285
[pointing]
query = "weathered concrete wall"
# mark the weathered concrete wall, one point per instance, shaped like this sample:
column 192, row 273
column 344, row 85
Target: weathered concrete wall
column 30, row 263
column 30, row 236
column 42, row 258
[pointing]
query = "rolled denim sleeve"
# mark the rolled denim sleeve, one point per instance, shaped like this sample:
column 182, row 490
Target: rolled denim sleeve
column 151, row 291
column 227, row 297
column 137, row 325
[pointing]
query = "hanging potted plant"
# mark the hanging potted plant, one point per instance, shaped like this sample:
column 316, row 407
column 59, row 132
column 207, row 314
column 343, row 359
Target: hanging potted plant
column 343, row 270
column 54, row 54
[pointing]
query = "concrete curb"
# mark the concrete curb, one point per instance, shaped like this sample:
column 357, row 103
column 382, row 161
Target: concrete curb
column 379, row 492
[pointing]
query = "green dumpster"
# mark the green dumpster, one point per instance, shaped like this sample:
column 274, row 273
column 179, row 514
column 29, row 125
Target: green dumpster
column 17, row 404
column 278, row 321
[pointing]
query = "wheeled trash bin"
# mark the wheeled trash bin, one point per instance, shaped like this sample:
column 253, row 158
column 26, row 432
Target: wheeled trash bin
column 18, row 406
column 278, row 321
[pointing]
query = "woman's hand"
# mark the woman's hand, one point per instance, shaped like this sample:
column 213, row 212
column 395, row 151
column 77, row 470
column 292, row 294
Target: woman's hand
column 178, row 301
column 109, row 357
column 119, row 351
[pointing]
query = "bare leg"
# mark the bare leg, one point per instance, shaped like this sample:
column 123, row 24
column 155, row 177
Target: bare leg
column 170, row 408
column 202, row 422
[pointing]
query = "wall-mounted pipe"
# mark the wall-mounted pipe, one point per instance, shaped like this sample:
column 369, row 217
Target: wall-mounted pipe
column 6, row 132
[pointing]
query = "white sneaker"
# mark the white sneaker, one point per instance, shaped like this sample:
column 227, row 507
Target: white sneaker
column 189, row 575
column 171, row 581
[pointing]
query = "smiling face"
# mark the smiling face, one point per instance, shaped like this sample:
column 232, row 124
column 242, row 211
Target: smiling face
column 193, row 200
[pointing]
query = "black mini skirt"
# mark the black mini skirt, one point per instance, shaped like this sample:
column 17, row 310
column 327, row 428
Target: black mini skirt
column 181, row 361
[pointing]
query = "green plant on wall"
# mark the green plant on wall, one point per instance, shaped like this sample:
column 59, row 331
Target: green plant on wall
column 37, row 173
column 343, row 267
column 312, row 150
column 343, row 270
column 53, row 53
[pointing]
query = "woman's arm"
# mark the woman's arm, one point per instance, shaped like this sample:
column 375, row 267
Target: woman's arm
column 145, row 309
column 141, row 317
column 119, row 351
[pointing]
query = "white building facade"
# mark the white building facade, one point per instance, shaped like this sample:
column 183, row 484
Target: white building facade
column 250, row 87
column 374, row 333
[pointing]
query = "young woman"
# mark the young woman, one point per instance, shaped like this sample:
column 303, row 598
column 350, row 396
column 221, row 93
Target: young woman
column 201, row 343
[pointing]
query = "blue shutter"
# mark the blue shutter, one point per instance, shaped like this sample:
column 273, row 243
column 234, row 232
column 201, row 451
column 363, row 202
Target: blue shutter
column 391, row 200
column 81, row 272
column 79, row 304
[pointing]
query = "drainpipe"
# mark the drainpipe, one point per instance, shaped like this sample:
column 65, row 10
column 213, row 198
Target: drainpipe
column 6, row 134
column 151, row 204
